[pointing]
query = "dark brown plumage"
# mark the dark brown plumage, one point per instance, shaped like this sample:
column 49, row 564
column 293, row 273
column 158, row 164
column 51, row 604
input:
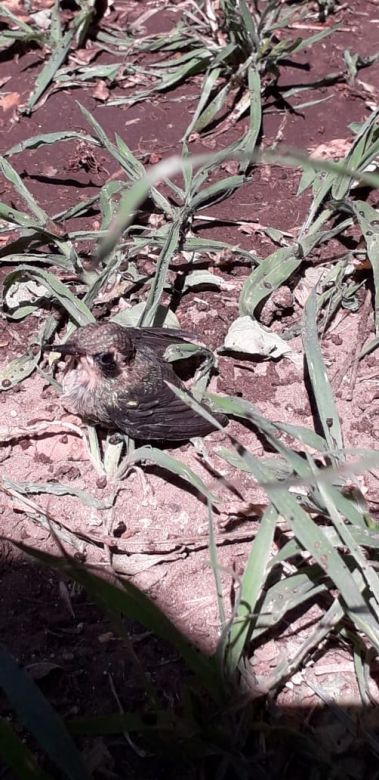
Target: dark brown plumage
column 117, row 377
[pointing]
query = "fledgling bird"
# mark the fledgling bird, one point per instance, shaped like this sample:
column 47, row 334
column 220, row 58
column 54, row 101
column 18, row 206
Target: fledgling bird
column 117, row 377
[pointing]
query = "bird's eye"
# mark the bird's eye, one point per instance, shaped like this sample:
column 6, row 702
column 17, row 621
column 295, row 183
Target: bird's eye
column 105, row 359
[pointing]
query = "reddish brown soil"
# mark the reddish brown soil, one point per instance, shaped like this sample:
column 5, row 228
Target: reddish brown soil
column 48, row 625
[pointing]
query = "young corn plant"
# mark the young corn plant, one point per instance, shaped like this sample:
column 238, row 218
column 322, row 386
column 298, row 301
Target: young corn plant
column 338, row 556
column 32, row 286
column 332, row 558
column 231, row 46
column 58, row 41
column 335, row 558
column 333, row 196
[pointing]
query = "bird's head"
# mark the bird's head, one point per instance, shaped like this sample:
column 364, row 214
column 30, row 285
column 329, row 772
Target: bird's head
column 101, row 349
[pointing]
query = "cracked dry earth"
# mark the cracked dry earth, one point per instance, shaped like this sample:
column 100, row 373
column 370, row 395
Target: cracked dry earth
column 158, row 531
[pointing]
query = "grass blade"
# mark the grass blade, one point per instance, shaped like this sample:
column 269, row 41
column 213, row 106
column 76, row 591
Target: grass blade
column 210, row 80
column 48, row 72
column 251, row 588
column 363, row 150
column 12, row 176
column 15, row 217
column 17, row 370
column 133, row 167
column 367, row 218
column 38, row 717
column 249, row 141
column 17, row 756
column 219, row 189
column 213, row 557
column 272, row 272
column 157, row 286
column 364, row 567
column 267, row 277
column 49, row 138
column 173, row 466
column 130, row 202
column 26, row 28
column 313, row 539
column 322, row 392
column 76, row 309
column 212, row 109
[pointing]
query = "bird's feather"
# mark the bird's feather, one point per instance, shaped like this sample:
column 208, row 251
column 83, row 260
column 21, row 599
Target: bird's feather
column 160, row 338
column 157, row 413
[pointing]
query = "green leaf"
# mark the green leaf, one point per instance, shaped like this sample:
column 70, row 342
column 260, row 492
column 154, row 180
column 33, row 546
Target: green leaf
column 173, row 466
column 212, row 109
column 267, row 277
column 17, row 756
column 249, row 141
column 118, row 723
column 314, row 540
column 49, row 70
column 363, row 150
column 58, row 489
column 272, row 272
column 210, row 80
column 157, row 286
column 76, row 309
column 39, row 717
column 125, row 157
column 368, row 220
column 16, row 217
column 322, row 392
column 305, row 43
column 219, row 189
column 12, row 176
column 26, row 28
column 130, row 202
column 49, row 138
column 17, row 370
column 204, row 278
column 253, row 581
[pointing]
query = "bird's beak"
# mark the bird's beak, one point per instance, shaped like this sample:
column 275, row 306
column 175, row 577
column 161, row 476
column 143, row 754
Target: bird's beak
column 65, row 349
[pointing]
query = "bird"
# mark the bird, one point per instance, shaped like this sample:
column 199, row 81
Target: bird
column 117, row 375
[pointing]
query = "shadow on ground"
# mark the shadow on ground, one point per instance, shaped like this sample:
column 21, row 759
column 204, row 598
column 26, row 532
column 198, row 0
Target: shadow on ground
column 83, row 667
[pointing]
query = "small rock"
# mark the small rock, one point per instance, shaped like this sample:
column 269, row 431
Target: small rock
column 105, row 638
column 67, row 471
column 279, row 302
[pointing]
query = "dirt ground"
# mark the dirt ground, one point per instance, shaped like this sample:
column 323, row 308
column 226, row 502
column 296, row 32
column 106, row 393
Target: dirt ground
column 159, row 533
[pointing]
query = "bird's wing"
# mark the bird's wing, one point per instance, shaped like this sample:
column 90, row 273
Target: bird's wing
column 157, row 413
column 159, row 339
